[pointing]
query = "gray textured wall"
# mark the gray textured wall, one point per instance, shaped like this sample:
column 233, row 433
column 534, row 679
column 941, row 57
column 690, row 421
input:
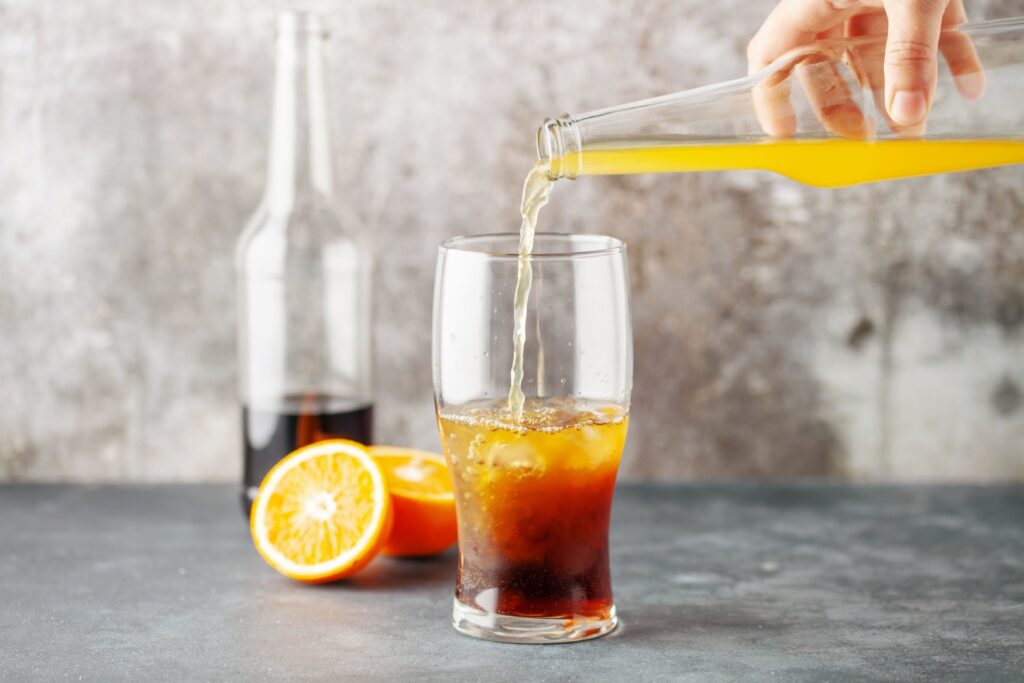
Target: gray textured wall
column 875, row 332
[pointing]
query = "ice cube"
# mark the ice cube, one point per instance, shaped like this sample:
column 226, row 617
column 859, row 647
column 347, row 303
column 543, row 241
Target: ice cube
column 516, row 455
column 474, row 455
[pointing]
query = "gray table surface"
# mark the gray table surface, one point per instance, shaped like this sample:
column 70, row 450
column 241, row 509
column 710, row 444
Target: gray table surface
column 777, row 581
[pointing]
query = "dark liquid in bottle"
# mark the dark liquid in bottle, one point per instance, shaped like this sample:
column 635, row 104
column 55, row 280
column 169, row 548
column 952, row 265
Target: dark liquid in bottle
column 272, row 431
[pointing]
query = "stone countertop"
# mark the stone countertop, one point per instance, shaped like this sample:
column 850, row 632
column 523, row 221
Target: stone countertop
column 777, row 581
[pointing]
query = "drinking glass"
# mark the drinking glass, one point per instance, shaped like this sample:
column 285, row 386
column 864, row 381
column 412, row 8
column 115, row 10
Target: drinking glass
column 533, row 492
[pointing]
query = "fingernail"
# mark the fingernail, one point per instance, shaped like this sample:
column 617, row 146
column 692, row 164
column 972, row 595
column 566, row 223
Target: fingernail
column 846, row 120
column 908, row 107
column 971, row 85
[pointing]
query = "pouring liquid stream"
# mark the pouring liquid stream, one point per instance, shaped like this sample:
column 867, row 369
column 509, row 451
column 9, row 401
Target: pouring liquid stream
column 821, row 163
column 536, row 191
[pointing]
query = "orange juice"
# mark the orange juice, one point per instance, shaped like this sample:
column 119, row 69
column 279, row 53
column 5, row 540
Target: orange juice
column 534, row 498
column 824, row 163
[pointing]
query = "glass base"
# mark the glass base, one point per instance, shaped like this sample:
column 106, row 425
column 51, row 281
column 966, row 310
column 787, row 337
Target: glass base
column 502, row 628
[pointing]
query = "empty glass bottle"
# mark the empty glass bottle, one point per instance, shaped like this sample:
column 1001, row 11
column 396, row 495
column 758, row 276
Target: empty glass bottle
column 304, row 279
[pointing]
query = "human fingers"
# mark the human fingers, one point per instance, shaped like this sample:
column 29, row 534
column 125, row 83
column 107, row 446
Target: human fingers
column 868, row 62
column 791, row 24
column 910, row 58
column 958, row 51
column 830, row 97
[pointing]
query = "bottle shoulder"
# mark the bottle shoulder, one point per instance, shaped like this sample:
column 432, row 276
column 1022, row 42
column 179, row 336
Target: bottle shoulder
column 275, row 241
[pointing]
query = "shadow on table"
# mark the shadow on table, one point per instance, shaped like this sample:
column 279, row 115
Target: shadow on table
column 387, row 573
column 717, row 623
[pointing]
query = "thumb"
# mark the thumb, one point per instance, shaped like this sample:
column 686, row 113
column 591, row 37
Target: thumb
column 910, row 58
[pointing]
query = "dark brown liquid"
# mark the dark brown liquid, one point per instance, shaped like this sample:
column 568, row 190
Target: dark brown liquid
column 547, row 553
column 270, row 432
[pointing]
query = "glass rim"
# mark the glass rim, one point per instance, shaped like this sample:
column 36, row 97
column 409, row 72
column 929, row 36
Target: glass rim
column 454, row 245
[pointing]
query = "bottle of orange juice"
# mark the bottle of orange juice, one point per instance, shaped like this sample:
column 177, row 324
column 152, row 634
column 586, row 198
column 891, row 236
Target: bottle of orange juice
column 816, row 115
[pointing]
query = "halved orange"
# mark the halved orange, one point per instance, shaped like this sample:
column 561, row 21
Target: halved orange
column 323, row 512
column 422, row 497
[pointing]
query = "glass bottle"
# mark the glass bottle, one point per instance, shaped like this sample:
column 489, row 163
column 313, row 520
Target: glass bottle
column 816, row 115
column 304, row 279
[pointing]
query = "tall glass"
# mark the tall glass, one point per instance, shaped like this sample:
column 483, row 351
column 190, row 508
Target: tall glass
column 533, row 494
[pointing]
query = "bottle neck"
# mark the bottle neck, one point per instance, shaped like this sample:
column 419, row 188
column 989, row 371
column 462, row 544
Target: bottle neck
column 299, row 167
column 559, row 145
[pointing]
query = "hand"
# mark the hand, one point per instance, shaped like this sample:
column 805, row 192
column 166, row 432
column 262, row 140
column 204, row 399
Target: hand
column 906, row 75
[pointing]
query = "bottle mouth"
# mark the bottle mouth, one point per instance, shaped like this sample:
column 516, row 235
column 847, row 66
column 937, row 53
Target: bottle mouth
column 557, row 139
column 294, row 22
column 546, row 141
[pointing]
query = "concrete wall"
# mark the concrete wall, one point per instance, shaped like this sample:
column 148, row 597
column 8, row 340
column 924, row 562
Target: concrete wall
column 875, row 332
